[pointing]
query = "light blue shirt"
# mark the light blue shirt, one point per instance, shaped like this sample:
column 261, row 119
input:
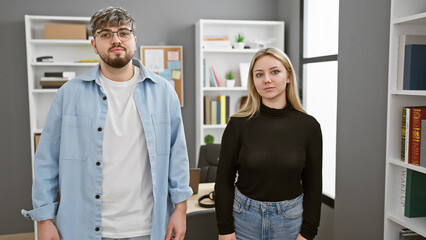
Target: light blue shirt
column 69, row 155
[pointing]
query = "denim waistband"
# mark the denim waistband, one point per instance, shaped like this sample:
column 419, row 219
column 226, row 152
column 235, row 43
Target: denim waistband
column 278, row 207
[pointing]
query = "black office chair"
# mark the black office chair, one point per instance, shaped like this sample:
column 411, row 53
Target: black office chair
column 201, row 225
column 208, row 160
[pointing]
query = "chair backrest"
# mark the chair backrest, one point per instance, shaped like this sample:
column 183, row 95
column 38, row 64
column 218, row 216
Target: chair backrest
column 201, row 225
column 208, row 160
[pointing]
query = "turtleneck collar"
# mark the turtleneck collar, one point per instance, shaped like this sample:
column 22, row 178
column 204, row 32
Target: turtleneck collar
column 276, row 113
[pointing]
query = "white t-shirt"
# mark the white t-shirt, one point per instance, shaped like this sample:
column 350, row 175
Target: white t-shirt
column 127, row 199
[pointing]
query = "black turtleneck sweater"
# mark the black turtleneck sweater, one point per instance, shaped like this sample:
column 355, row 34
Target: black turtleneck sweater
column 278, row 156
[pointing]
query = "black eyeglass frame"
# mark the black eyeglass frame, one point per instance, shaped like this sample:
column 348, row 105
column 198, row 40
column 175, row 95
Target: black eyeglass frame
column 112, row 32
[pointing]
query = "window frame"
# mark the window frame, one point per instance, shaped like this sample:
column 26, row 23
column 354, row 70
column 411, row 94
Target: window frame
column 303, row 61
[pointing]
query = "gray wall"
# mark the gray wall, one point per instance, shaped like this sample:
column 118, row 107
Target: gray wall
column 361, row 119
column 363, row 53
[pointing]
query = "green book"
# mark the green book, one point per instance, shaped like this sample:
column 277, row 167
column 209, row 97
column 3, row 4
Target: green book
column 415, row 194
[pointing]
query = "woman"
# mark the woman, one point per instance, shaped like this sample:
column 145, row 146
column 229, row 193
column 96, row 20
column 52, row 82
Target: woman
column 269, row 179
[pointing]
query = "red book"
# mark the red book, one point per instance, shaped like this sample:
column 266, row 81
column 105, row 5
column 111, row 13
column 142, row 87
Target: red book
column 416, row 116
column 217, row 80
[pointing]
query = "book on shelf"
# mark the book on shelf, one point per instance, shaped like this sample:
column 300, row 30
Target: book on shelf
column 415, row 118
column 415, row 67
column 407, row 234
column 222, row 114
column 423, row 144
column 218, row 112
column 215, row 77
column 411, row 134
column 404, row 40
column 415, row 194
column 227, row 108
column 205, row 84
column 214, row 112
column 217, row 43
column 53, row 82
column 60, row 74
column 207, row 110
column 405, row 129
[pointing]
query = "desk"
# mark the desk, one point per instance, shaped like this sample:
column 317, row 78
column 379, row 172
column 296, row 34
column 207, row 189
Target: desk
column 203, row 189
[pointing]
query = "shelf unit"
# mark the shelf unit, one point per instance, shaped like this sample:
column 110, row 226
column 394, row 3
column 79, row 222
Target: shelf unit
column 407, row 17
column 66, row 54
column 262, row 33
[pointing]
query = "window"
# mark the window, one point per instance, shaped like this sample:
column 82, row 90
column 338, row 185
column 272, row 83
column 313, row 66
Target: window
column 319, row 64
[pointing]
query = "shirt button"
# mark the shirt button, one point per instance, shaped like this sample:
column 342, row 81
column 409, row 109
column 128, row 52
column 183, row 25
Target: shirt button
column 99, row 129
column 98, row 163
column 104, row 98
column 97, row 229
column 97, row 196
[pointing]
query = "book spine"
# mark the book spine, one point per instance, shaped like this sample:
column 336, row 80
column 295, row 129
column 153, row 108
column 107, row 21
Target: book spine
column 222, row 100
column 415, row 195
column 207, row 111
column 215, row 77
column 407, row 71
column 212, row 76
column 403, row 133
column 214, row 111
column 227, row 109
column 400, row 69
column 415, row 127
column 218, row 111
column 423, row 144
column 205, row 84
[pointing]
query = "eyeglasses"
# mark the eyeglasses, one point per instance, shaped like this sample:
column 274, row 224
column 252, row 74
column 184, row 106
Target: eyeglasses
column 123, row 34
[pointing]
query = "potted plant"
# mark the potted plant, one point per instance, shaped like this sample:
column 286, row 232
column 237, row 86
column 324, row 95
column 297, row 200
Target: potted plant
column 240, row 41
column 230, row 80
column 208, row 139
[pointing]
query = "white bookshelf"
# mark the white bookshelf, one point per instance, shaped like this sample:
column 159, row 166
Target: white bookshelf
column 270, row 33
column 407, row 17
column 66, row 54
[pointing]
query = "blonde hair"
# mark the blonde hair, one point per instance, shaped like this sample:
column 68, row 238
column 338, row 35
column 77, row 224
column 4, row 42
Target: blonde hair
column 252, row 105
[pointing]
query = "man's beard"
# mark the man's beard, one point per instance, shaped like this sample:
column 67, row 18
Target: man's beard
column 117, row 62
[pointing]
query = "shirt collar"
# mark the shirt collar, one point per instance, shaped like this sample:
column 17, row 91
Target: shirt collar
column 94, row 73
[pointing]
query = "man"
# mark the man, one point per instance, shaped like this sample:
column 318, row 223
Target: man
column 114, row 147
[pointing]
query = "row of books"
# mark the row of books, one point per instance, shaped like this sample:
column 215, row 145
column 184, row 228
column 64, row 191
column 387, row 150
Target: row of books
column 407, row 234
column 56, row 79
column 216, row 111
column 412, row 62
column 413, row 135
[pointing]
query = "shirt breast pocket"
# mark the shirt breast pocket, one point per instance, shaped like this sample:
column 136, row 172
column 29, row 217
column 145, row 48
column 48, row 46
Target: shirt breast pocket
column 75, row 137
column 161, row 123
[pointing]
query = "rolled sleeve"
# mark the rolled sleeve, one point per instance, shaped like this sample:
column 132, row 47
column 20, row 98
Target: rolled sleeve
column 42, row 213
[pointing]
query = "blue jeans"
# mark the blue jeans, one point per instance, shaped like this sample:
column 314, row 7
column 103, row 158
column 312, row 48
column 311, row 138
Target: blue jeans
column 256, row 220
column 133, row 238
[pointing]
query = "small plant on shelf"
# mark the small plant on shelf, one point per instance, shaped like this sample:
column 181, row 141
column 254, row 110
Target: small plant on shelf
column 240, row 41
column 230, row 80
column 239, row 38
column 230, row 75
column 208, row 139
